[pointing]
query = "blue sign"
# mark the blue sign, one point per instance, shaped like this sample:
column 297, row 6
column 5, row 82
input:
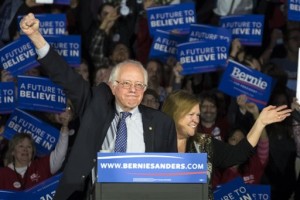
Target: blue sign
column 171, row 17
column 259, row 192
column 50, row 24
column 293, row 10
column 40, row 94
column 7, row 97
column 7, row 195
column 200, row 32
column 152, row 167
column 18, row 56
column 202, row 56
column 236, row 189
column 164, row 45
column 44, row 135
column 44, row 190
column 68, row 46
column 247, row 28
column 62, row 2
column 233, row 190
column 238, row 79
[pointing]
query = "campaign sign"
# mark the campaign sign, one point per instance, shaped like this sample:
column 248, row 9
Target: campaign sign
column 7, row 195
column 238, row 79
column 7, row 97
column 44, row 190
column 68, row 46
column 247, row 28
column 62, row 2
column 205, row 32
column 44, row 135
column 50, row 24
column 233, row 190
column 294, row 10
column 152, row 167
column 171, row 17
column 259, row 192
column 164, row 44
column 202, row 56
column 40, row 94
column 18, row 56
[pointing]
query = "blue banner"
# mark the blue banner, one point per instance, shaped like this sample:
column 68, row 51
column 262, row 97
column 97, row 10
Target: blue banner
column 233, row 190
column 238, row 79
column 18, row 56
column 164, row 45
column 7, row 195
column 43, row 191
column 152, row 167
column 247, row 28
column 40, row 94
column 68, row 46
column 293, row 10
column 205, row 32
column 62, row 2
column 171, row 17
column 236, row 189
column 260, row 192
column 7, row 97
column 202, row 56
column 50, row 24
column 44, row 135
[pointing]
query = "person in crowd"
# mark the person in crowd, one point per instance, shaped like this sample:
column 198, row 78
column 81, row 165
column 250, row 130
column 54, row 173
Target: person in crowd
column 151, row 99
column 295, row 106
column 6, row 76
column 211, row 123
column 280, row 171
column 83, row 70
column 252, row 170
column 65, row 118
column 101, row 74
column 184, row 108
column 143, row 39
column 99, row 109
column 23, row 170
column 289, row 63
column 109, row 33
column 156, row 73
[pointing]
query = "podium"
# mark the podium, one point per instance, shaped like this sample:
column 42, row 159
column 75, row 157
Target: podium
column 155, row 176
column 150, row 191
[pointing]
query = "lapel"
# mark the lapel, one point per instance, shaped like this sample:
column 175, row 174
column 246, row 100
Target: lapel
column 148, row 128
column 111, row 111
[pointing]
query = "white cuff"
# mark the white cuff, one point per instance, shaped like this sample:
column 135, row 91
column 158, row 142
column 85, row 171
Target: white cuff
column 42, row 52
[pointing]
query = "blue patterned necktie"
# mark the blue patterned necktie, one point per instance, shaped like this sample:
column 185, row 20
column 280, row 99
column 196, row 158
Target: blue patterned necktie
column 121, row 136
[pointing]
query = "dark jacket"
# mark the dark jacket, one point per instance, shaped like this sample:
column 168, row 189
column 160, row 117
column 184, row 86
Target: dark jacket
column 96, row 109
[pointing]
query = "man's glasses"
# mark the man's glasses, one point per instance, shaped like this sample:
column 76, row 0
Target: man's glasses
column 128, row 85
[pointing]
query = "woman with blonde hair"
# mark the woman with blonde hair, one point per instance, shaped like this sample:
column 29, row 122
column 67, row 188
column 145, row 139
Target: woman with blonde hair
column 184, row 108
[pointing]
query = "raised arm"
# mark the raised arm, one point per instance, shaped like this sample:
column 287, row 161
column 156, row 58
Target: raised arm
column 58, row 70
column 268, row 115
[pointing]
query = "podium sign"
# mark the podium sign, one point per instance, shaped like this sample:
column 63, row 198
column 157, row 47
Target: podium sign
column 152, row 168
